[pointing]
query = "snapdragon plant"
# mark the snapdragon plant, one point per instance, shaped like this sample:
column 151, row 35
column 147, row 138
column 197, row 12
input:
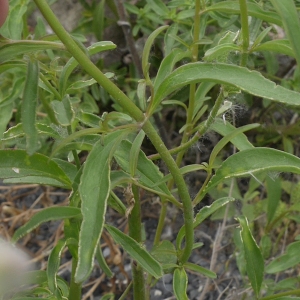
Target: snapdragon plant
column 47, row 96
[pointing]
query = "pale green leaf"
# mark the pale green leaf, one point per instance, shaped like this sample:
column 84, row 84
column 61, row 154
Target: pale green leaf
column 248, row 162
column 45, row 215
column 242, row 78
column 136, row 251
column 253, row 256
column 180, row 281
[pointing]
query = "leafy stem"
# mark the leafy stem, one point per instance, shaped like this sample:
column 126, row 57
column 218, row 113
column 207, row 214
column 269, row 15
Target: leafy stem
column 134, row 112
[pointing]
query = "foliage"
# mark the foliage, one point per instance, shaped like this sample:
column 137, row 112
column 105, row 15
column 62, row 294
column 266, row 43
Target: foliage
column 66, row 119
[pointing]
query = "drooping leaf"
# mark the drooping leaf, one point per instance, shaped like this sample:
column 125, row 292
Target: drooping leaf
column 18, row 164
column 29, row 105
column 291, row 23
column 274, row 195
column 242, row 78
column 10, row 49
column 45, row 215
column 222, row 143
column 94, row 190
column 200, row 270
column 204, row 213
column 288, row 260
column 241, row 141
column 180, row 281
column 147, row 172
column 253, row 256
column 136, row 251
column 248, row 162
column 254, row 10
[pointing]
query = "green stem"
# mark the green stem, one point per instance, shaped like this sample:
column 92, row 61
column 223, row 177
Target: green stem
column 245, row 32
column 134, row 112
column 75, row 288
column 135, row 231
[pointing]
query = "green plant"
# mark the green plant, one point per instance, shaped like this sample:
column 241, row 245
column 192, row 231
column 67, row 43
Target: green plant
column 47, row 98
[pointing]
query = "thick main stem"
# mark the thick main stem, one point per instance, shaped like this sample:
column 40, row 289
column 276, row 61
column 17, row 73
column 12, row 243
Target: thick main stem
column 134, row 112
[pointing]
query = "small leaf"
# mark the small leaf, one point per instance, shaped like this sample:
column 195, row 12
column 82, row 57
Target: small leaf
column 147, row 172
column 204, row 213
column 240, row 141
column 247, row 162
column 253, row 256
column 288, row 260
column 254, row 10
column 29, row 105
column 222, row 143
column 274, row 195
column 180, row 284
column 136, row 251
column 134, row 152
column 147, row 48
column 63, row 111
column 45, row 215
column 291, row 24
column 159, row 7
column 278, row 46
column 200, row 270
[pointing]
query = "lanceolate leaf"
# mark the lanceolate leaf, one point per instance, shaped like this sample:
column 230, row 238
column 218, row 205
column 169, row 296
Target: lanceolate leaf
column 204, row 213
column 147, row 172
column 45, row 215
column 253, row 256
column 254, row 10
column 94, row 190
column 18, row 164
column 291, row 24
column 251, row 82
column 247, row 162
column 180, row 284
column 136, row 251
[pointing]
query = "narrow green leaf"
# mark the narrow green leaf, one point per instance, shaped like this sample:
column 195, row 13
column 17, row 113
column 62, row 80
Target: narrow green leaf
column 165, row 253
column 288, row 260
column 159, row 7
column 226, row 139
column 242, row 78
column 10, row 49
column 147, row 48
column 278, row 46
column 147, row 172
column 248, row 162
column 102, row 263
column 183, row 170
column 254, row 10
column 53, row 265
column 168, row 63
column 261, row 36
column 168, row 40
column 204, row 213
column 98, row 20
column 29, row 105
column 18, row 164
column 134, row 152
column 274, row 195
column 63, row 110
column 291, row 23
column 136, row 251
column 253, row 256
column 220, row 50
column 240, row 141
column 35, row 180
column 72, row 63
column 200, row 270
column 180, row 281
column 94, row 190
column 45, row 215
